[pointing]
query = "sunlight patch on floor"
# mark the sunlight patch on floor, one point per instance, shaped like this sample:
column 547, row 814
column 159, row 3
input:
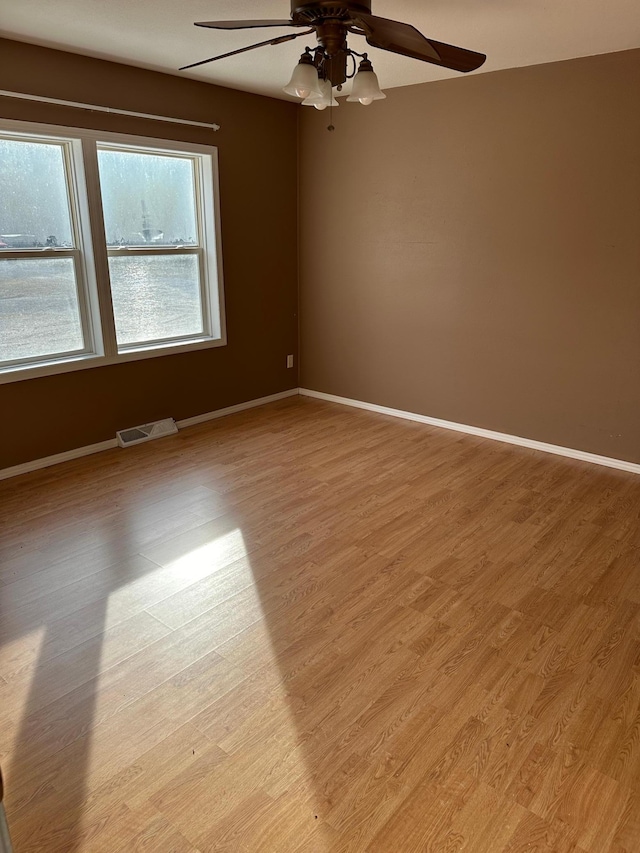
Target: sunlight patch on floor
column 146, row 679
column 15, row 692
column 218, row 552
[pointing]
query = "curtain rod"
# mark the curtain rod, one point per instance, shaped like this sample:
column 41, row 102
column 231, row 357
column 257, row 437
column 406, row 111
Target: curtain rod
column 97, row 108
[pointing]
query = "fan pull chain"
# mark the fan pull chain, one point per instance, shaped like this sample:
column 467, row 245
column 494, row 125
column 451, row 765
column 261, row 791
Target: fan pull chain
column 331, row 126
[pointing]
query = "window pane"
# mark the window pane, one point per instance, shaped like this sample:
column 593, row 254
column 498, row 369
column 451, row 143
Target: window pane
column 155, row 297
column 35, row 207
column 39, row 312
column 147, row 198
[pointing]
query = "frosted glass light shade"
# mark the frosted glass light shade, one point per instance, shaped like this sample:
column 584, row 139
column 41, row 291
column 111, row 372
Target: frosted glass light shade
column 324, row 100
column 366, row 88
column 304, row 81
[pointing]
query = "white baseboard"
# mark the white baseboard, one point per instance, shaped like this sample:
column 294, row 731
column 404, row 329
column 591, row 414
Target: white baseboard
column 89, row 449
column 56, row 459
column 557, row 450
column 240, row 407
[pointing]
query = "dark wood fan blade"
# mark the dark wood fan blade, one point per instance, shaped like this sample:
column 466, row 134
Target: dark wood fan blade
column 408, row 41
column 279, row 40
column 245, row 25
column 395, row 36
column 458, row 58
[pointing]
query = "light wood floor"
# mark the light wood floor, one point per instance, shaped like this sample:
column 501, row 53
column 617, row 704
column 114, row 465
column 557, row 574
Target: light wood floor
column 308, row 628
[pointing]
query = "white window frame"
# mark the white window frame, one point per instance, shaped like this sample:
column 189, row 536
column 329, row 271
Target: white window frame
column 92, row 254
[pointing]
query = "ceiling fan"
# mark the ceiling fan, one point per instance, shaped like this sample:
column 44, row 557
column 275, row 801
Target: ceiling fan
column 328, row 64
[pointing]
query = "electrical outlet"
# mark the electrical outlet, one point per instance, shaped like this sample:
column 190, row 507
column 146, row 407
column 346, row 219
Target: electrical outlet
column 289, row 361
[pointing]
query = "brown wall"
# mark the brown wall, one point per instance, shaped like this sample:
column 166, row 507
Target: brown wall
column 258, row 186
column 470, row 251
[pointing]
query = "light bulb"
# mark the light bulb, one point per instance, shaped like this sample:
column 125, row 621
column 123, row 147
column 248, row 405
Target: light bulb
column 304, row 81
column 324, row 100
column 366, row 88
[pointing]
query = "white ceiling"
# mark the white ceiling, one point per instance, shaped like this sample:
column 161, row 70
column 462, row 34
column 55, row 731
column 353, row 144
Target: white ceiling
column 159, row 34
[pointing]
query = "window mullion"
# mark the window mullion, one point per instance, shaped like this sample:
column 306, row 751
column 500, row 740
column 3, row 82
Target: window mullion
column 101, row 260
column 82, row 254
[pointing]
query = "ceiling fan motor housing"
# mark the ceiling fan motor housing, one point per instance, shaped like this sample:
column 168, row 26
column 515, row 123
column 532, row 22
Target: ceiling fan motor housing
column 330, row 21
column 318, row 10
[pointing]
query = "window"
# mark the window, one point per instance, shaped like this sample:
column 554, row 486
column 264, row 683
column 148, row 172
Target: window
column 42, row 280
column 147, row 282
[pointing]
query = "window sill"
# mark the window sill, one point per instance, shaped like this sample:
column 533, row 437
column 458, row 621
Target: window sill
column 85, row 362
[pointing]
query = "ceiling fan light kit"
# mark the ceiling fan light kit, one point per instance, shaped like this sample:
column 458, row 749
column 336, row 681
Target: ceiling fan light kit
column 333, row 62
column 366, row 88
